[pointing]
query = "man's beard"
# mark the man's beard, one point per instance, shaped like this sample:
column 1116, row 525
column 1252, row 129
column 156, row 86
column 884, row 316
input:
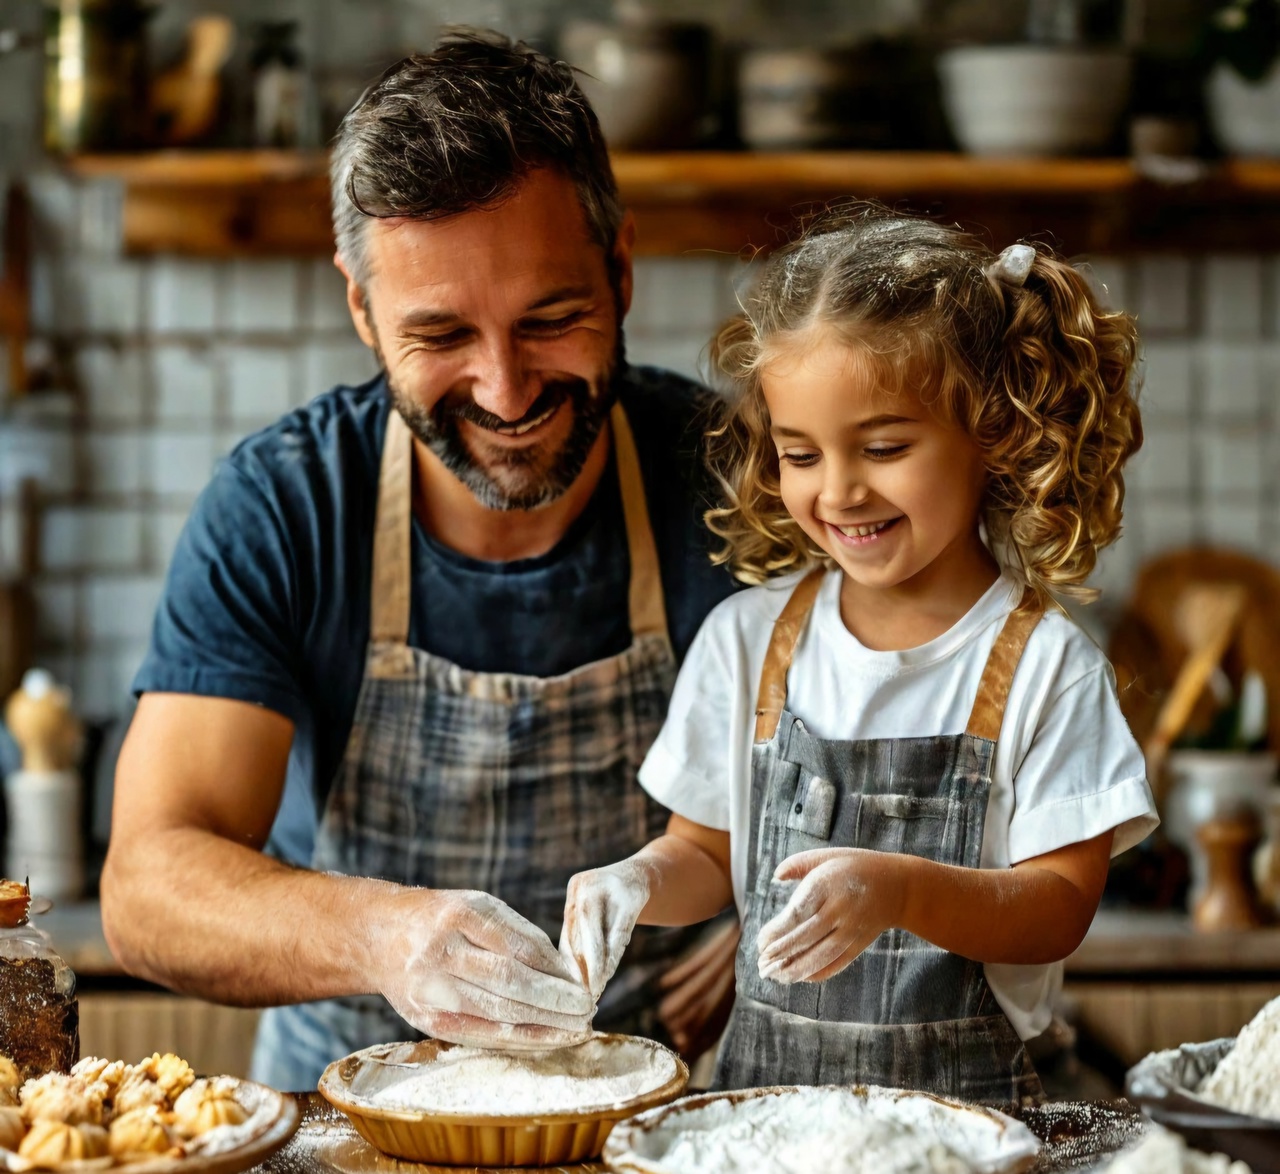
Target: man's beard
column 503, row 478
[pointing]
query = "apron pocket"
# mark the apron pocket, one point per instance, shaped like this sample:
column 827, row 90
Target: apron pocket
column 813, row 809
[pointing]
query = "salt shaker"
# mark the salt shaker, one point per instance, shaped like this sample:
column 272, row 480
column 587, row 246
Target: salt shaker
column 45, row 840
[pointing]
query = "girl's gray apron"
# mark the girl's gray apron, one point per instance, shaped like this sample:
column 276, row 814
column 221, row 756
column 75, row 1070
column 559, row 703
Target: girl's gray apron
column 905, row 1013
column 509, row 784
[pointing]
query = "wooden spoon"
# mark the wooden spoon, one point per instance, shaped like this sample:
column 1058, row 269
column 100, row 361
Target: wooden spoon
column 1207, row 617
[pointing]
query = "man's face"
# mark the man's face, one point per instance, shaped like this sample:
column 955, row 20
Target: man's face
column 499, row 330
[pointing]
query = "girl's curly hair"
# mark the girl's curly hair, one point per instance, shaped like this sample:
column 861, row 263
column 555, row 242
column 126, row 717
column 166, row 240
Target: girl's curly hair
column 1040, row 376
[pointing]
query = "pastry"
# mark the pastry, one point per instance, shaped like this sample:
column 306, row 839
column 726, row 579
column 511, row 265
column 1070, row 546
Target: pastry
column 172, row 1073
column 103, row 1075
column 51, row 1143
column 138, row 1091
column 206, row 1105
column 12, row 1127
column 139, row 1134
column 55, row 1096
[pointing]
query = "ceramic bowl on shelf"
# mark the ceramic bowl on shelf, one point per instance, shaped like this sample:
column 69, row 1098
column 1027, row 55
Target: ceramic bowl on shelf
column 1034, row 99
column 1164, row 1085
column 487, row 1138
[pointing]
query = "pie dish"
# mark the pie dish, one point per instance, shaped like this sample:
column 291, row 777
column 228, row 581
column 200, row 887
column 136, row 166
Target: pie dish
column 544, row 1138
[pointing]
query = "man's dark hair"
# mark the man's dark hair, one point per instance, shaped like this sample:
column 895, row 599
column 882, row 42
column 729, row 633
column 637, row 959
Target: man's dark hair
column 457, row 129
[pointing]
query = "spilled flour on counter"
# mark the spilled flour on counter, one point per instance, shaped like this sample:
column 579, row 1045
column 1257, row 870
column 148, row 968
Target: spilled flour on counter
column 515, row 1084
column 833, row 1130
column 1248, row 1078
column 1162, row 1152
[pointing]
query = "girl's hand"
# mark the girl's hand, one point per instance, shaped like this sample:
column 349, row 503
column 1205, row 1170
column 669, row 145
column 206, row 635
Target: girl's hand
column 846, row 898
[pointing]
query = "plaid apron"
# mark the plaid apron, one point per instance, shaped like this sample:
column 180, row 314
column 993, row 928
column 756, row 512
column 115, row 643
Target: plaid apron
column 905, row 1013
column 509, row 784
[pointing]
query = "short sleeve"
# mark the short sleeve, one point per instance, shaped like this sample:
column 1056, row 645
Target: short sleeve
column 224, row 626
column 1082, row 775
column 687, row 769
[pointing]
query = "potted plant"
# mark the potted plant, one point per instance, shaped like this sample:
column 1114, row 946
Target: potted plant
column 1242, row 93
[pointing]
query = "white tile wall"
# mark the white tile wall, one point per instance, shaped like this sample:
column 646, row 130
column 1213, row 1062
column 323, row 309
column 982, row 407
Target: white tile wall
column 121, row 607
column 115, row 462
column 185, row 379
column 260, row 381
column 184, row 296
column 176, row 360
column 181, row 462
column 326, row 300
column 1233, row 297
column 1168, row 386
column 1232, row 381
column 1163, row 295
column 262, row 296
column 112, row 381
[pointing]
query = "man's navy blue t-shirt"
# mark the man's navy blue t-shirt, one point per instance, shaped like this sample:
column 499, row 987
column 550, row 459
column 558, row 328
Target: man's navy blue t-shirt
column 268, row 595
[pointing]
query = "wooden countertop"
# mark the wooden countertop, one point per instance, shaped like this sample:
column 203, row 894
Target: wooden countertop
column 1118, row 944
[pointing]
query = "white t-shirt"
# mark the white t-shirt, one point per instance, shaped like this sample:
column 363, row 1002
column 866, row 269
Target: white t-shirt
column 1066, row 766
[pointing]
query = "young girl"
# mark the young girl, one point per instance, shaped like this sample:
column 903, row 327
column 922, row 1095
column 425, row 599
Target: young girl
column 903, row 762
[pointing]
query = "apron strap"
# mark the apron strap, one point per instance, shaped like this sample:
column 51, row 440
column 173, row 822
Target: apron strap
column 391, row 545
column 772, row 697
column 647, row 605
column 997, row 676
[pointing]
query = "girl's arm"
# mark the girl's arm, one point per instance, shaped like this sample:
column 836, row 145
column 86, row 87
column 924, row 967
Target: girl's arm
column 678, row 879
column 1036, row 912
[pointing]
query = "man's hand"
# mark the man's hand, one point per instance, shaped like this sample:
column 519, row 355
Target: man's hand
column 846, row 898
column 601, row 909
column 467, row 968
column 698, row 992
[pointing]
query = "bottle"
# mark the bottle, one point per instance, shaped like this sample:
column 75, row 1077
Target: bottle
column 280, row 100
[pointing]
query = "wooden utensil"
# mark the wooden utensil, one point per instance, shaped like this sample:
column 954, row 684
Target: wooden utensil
column 1207, row 615
column 185, row 99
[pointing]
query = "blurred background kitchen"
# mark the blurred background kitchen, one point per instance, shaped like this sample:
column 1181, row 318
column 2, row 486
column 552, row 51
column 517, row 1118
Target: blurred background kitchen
column 167, row 288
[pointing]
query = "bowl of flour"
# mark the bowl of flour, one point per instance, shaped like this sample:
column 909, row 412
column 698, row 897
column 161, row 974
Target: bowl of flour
column 1222, row 1096
column 438, row 1102
column 846, row 1129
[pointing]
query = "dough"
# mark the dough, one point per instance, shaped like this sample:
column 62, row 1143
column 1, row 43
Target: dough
column 58, row 1097
column 206, row 1105
column 139, row 1134
column 51, row 1143
column 12, row 1127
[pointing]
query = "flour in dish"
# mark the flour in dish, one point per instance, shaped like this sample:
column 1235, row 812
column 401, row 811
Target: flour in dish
column 484, row 1083
column 834, row 1130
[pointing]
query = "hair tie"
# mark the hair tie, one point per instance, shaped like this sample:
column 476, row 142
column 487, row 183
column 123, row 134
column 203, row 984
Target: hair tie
column 1013, row 265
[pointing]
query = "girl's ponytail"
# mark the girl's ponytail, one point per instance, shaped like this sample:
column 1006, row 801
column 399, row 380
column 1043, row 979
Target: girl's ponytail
column 1059, row 425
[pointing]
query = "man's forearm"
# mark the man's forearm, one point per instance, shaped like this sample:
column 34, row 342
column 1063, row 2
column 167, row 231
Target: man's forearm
column 208, row 917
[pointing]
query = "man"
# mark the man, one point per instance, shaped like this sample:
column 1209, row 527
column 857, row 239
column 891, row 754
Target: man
column 418, row 635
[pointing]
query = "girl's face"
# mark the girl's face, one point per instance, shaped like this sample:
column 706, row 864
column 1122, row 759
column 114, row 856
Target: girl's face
column 871, row 475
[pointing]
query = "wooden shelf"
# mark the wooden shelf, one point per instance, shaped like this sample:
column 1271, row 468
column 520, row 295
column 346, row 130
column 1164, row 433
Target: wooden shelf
column 224, row 203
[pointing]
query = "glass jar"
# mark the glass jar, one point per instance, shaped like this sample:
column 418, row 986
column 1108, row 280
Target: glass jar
column 40, row 1027
column 96, row 77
